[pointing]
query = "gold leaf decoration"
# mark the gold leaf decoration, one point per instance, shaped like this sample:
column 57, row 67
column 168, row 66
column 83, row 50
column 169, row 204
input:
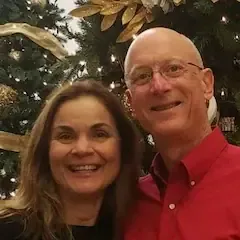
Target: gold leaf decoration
column 112, row 8
column 179, row 2
column 139, row 16
column 12, row 142
column 149, row 17
column 129, row 13
column 86, row 10
column 7, row 95
column 100, row 2
column 40, row 36
column 129, row 31
column 108, row 21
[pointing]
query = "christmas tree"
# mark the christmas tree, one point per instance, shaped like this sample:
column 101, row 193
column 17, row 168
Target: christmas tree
column 28, row 72
column 109, row 27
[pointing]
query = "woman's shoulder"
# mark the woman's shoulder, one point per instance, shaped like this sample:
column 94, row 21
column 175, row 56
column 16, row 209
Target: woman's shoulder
column 11, row 228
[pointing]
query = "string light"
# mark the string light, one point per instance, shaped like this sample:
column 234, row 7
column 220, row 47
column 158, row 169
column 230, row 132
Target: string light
column 134, row 36
column 17, row 79
column 13, row 194
column 222, row 93
column 113, row 58
column 36, row 96
column 45, row 55
column 44, row 83
column 2, row 196
column 112, row 85
column 29, row 2
column 82, row 63
column 40, row 16
column 100, row 69
column 28, row 8
column 24, row 93
column 224, row 19
column 236, row 37
column 13, row 180
column 3, row 172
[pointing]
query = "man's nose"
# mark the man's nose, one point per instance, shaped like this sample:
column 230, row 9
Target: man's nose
column 159, row 84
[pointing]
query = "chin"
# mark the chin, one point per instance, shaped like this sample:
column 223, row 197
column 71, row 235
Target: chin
column 168, row 128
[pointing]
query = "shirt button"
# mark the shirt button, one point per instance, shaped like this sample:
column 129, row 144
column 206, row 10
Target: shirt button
column 172, row 206
column 193, row 183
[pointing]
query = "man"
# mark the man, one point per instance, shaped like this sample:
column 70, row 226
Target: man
column 192, row 191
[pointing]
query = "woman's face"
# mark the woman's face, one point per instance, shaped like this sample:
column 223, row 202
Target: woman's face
column 84, row 147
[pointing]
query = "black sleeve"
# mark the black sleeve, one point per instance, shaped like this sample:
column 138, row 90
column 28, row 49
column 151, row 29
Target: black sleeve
column 10, row 229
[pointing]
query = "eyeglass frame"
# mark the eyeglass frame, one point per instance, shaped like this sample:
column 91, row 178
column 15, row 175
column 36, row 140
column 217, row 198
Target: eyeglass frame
column 158, row 71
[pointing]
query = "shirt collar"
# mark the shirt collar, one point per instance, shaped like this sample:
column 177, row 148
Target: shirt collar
column 197, row 162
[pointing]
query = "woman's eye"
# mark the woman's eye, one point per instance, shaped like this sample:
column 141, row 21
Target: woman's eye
column 101, row 134
column 65, row 136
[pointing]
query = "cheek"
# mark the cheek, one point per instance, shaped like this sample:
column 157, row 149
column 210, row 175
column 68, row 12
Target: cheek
column 57, row 152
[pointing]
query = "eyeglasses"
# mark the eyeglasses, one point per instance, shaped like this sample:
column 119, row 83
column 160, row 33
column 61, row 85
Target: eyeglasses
column 170, row 70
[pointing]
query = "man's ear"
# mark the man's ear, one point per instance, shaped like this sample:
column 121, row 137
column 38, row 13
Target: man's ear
column 129, row 102
column 208, row 83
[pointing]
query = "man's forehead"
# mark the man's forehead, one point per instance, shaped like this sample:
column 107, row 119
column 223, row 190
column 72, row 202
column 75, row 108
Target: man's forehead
column 163, row 43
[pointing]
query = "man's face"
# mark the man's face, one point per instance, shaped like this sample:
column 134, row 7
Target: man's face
column 166, row 91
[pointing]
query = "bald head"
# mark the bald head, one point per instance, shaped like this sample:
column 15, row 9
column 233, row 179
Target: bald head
column 165, row 43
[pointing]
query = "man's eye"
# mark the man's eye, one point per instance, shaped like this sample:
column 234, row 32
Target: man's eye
column 174, row 68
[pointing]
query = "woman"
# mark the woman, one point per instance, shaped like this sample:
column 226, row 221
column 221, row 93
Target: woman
column 79, row 171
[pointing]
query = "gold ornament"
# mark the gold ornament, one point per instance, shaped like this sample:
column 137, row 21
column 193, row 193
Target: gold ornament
column 7, row 95
column 12, row 142
column 112, row 8
column 41, row 37
column 15, row 54
column 129, row 13
column 136, row 21
column 108, row 21
column 86, row 11
column 128, row 32
column 41, row 3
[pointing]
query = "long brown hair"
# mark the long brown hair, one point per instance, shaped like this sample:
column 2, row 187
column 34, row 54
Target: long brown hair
column 37, row 201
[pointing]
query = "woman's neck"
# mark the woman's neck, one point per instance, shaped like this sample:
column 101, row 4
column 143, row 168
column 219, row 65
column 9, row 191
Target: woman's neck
column 81, row 210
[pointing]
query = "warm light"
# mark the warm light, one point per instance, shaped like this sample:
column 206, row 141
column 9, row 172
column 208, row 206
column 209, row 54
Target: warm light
column 13, row 179
column 134, row 36
column 44, row 83
column 17, row 79
column 99, row 69
column 3, row 172
column 222, row 93
column 28, row 8
column 113, row 58
column 36, row 96
column 40, row 16
column 13, row 194
column 82, row 63
column 45, row 55
column 224, row 19
column 112, row 85
column 236, row 37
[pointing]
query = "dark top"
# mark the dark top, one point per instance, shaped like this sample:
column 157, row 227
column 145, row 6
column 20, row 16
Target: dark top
column 11, row 229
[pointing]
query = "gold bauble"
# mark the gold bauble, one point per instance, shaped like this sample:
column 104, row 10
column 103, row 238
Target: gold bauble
column 7, row 95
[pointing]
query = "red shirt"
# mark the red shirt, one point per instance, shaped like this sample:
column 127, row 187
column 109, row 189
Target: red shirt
column 199, row 200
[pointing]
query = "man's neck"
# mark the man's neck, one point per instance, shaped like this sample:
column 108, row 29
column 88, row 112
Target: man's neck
column 174, row 148
column 81, row 211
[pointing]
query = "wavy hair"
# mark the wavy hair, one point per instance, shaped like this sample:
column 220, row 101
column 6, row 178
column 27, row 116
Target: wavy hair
column 37, row 202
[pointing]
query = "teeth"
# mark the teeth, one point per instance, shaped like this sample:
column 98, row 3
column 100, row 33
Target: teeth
column 161, row 108
column 83, row 167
